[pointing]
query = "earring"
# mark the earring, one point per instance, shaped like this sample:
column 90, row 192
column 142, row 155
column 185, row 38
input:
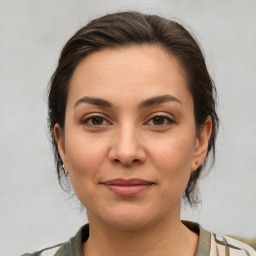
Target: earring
column 66, row 172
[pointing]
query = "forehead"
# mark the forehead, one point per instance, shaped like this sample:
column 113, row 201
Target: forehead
column 135, row 71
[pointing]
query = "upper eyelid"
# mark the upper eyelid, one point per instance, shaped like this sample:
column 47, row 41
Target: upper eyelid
column 91, row 115
column 168, row 117
column 163, row 114
column 170, row 120
column 87, row 122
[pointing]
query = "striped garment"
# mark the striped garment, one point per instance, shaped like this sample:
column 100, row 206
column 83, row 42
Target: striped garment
column 210, row 244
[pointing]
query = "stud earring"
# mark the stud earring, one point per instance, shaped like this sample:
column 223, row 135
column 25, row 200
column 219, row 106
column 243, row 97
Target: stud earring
column 66, row 172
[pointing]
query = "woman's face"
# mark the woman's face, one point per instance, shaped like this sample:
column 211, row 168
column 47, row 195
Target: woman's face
column 130, row 141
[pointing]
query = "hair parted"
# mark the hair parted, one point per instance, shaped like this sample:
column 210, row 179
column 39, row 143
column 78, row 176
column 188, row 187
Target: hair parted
column 123, row 29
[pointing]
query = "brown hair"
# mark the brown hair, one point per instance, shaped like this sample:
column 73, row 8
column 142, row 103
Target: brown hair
column 134, row 28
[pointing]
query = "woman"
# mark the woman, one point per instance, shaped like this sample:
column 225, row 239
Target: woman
column 133, row 122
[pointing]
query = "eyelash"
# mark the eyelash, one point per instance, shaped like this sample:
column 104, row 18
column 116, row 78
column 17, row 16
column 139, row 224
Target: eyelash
column 167, row 121
column 90, row 119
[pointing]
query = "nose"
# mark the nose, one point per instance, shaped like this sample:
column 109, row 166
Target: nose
column 127, row 147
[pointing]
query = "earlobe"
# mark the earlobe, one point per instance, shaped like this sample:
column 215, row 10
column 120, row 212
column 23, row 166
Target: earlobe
column 202, row 142
column 59, row 138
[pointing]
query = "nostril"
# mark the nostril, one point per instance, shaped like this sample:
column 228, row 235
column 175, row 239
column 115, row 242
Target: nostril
column 126, row 162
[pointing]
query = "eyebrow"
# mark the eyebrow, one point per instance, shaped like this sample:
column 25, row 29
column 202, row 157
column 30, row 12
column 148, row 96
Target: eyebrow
column 145, row 103
column 94, row 101
column 158, row 100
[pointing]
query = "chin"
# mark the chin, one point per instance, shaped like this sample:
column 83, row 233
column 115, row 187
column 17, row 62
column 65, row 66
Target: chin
column 130, row 218
column 129, row 223
column 121, row 217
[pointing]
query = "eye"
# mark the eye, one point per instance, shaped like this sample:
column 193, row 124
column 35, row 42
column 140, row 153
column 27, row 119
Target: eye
column 95, row 121
column 160, row 120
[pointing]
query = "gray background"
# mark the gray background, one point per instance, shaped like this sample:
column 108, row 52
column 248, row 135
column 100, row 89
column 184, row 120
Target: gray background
column 34, row 211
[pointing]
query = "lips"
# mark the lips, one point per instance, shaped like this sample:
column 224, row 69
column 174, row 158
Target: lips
column 129, row 187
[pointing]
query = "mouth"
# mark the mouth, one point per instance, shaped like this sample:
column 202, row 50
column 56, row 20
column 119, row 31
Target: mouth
column 129, row 187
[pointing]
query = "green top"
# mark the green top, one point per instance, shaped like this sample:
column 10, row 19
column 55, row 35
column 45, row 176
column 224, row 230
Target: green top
column 210, row 244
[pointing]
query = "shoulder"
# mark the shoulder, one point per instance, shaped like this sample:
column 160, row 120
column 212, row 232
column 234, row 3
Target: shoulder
column 218, row 245
column 225, row 245
column 57, row 250
column 72, row 247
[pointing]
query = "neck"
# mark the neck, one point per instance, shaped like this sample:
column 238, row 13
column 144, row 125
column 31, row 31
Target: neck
column 168, row 237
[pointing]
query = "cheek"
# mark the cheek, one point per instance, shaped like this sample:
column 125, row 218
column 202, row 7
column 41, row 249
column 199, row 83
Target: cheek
column 175, row 153
column 84, row 155
column 173, row 160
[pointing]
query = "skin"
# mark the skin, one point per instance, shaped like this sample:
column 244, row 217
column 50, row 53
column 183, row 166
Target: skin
column 127, row 141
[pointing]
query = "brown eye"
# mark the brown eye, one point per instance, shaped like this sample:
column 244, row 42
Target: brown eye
column 161, row 120
column 158, row 120
column 97, row 120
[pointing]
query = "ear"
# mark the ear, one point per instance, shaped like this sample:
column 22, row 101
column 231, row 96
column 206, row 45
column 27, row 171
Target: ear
column 201, row 145
column 59, row 138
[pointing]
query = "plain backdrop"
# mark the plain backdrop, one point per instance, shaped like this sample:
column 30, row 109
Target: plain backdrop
column 35, row 212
